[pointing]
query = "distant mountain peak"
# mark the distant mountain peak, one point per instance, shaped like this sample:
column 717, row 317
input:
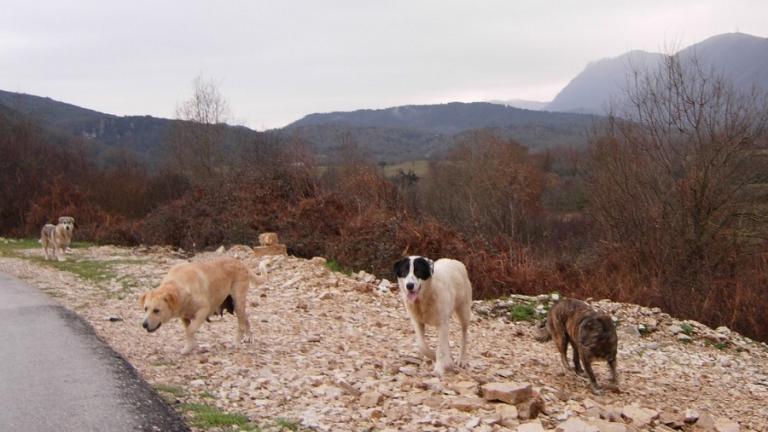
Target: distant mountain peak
column 742, row 58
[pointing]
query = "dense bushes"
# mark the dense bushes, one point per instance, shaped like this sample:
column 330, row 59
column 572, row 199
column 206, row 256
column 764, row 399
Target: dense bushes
column 666, row 209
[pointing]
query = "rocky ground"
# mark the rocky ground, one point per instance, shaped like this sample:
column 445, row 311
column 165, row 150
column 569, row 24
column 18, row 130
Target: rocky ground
column 335, row 352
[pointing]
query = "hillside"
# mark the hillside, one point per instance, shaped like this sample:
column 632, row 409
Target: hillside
column 741, row 58
column 334, row 352
column 107, row 135
column 413, row 132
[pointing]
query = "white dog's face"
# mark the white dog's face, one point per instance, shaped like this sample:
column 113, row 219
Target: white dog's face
column 67, row 222
column 411, row 273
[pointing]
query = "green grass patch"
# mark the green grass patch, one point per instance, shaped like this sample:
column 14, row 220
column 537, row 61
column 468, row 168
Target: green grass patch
column 207, row 416
column 287, row 424
column 334, row 265
column 522, row 312
column 10, row 247
column 719, row 345
column 89, row 270
column 170, row 389
column 418, row 167
column 687, row 329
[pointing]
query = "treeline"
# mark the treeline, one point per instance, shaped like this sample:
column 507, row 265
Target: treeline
column 667, row 207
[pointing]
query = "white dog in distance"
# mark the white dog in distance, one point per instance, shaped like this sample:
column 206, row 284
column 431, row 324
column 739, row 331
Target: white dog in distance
column 58, row 237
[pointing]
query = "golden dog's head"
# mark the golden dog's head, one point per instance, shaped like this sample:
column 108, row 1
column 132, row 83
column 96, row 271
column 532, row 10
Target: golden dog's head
column 159, row 306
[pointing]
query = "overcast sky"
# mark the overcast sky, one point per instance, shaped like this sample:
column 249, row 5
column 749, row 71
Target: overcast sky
column 279, row 60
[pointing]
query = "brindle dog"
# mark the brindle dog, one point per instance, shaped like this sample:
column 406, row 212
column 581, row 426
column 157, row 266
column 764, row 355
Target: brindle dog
column 591, row 334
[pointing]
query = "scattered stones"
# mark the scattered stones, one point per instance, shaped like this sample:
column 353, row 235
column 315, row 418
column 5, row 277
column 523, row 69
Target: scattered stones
column 629, row 329
column 370, row 399
column 675, row 329
column 334, row 352
column 684, row 337
column 465, row 404
column 639, row 416
column 574, row 424
column 606, row 426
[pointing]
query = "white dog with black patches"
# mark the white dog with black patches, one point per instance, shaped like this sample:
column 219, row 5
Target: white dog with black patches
column 432, row 292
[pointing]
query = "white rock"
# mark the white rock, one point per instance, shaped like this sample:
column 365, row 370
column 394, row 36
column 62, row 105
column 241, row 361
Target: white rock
column 530, row 427
column 726, row 425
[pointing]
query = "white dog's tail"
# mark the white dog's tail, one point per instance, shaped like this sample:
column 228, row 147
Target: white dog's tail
column 263, row 276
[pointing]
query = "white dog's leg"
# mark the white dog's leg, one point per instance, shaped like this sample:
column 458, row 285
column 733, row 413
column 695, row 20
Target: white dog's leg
column 464, row 318
column 444, row 362
column 190, row 327
column 58, row 252
column 421, row 343
column 45, row 251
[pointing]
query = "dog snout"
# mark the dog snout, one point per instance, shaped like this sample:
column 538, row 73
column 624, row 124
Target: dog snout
column 409, row 286
column 145, row 324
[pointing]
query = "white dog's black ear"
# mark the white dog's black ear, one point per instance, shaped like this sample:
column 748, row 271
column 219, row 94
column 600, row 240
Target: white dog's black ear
column 402, row 268
column 423, row 268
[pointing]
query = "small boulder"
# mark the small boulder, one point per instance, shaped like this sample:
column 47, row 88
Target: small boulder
column 690, row 416
column 511, row 393
column 638, row 415
column 531, row 408
column 370, row 399
column 726, row 425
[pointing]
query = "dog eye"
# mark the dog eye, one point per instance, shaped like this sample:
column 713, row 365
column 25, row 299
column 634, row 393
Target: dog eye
column 145, row 309
column 155, row 310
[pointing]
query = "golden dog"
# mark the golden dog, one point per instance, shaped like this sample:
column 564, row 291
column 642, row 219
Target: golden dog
column 194, row 291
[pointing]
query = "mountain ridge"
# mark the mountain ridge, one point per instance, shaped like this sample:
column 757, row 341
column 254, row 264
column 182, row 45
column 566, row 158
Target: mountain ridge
column 740, row 57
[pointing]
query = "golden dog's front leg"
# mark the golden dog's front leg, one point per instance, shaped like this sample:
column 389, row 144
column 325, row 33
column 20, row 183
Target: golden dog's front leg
column 444, row 361
column 190, row 327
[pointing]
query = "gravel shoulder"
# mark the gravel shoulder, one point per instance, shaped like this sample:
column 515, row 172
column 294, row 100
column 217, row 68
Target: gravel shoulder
column 333, row 352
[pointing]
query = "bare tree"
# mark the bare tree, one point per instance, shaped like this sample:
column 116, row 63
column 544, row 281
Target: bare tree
column 486, row 186
column 197, row 140
column 672, row 186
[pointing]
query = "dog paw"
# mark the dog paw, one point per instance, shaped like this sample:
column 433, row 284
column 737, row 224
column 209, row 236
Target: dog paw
column 597, row 391
column 187, row 349
column 428, row 353
column 442, row 369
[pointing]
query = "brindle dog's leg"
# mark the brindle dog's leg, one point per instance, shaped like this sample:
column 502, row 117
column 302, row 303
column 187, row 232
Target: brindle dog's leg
column 587, row 360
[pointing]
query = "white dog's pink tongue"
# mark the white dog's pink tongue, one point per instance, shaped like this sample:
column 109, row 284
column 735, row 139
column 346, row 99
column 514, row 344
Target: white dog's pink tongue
column 411, row 296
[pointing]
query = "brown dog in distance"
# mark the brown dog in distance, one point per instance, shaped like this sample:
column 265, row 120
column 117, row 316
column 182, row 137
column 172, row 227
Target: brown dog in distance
column 591, row 334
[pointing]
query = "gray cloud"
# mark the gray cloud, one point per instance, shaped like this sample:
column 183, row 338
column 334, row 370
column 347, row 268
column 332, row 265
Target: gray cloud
column 280, row 60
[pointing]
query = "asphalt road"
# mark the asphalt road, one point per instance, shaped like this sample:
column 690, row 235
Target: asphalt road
column 57, row 375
